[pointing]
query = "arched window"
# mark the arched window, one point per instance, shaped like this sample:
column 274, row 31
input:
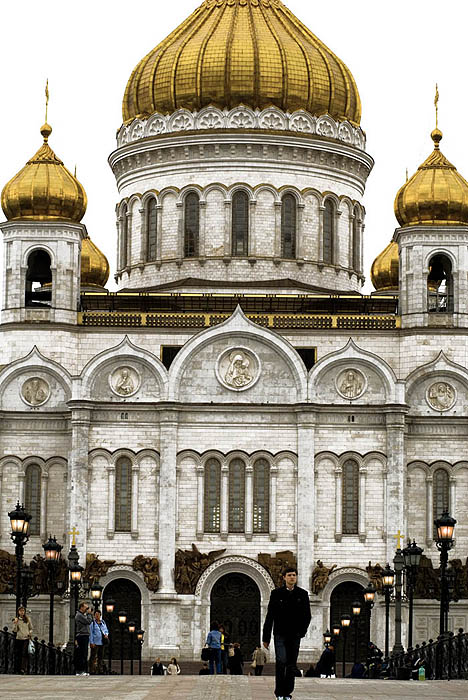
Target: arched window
column 32, row 497
column 212, row 514
column 261, row 496
column 191, row 225
column 440, row 495
column 123, row 495
column 151, row 229
column 124, row 237
column 237, row 496
column 240, row 223
column 350, row 498
column 288, row 226
column 440, row 285
column 38, row 279
column 356, row 243
column 328, row 231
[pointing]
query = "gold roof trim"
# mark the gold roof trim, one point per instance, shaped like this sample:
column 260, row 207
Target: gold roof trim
column 435, row 194
column 44, row 189
column 251, row 52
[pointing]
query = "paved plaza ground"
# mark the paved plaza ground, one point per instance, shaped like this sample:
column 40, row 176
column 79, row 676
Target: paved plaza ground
column 219, row 688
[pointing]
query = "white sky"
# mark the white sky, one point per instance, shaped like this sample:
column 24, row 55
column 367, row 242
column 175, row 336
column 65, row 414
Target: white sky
column 87, row 48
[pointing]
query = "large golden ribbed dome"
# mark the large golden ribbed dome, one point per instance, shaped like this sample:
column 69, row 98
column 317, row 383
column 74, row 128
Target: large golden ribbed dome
column 250, row 52
column 44, row 189
column 385, row 268
column 435, row 194
column 94, row 265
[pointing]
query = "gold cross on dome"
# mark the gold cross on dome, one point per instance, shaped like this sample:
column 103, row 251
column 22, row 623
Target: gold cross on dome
column 399, row 536
column 74, row 532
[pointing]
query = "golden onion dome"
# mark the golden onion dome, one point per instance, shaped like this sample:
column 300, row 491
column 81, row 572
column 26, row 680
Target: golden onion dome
column 384, row 270
column 44, row 189
column 435, row 194
column 94, row 265
column 250, row 52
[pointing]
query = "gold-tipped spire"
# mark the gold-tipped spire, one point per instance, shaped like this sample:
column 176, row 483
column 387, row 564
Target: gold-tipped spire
column 46, row 99
column 436, row 105
column 44, row 189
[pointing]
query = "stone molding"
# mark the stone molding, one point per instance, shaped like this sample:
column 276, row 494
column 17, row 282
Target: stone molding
column 271, row 119
column 346, row 573
column 234, row 564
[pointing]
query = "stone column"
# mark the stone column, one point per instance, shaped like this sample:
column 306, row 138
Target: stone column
column 201, row 501
column 362, row 503
column 429, row 521
column 167, row 502
column 338, row 503
column 111, row 500
column 273, row 490
column 78, row 477
column 43, row 525
column 143, row 235
column 248, row 502
column 396, row 470
column 135, row 499
column 305, row 497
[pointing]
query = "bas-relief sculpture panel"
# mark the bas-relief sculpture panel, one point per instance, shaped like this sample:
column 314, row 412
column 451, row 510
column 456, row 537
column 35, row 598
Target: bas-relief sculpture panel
column 125, row 380
column 435, row 395
column 350, row 383
column 34, row 390
column 237, row 369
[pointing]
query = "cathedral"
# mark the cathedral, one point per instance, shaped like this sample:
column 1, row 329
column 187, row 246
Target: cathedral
column 238, row 403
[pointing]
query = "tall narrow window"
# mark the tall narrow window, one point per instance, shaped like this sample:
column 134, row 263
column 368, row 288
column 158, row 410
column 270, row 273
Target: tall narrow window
column 123, row 495
column 440, row 285
column 240, row 223
column 237, row 496
column 328, row 231
column 356, row 246
column 38, row 279
column 212, row 514
column 261, row 496
column 191, row 225
column 350, row 498
column 32, row 497
column 440, row 495
column 123, row 237
column 151, row 230
column 288, row 226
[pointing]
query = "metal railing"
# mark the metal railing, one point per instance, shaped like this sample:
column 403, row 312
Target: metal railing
column 47, row 659
column 445, row 658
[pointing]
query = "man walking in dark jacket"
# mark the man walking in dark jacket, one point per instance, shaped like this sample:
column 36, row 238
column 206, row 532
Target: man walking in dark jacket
column 289, row 617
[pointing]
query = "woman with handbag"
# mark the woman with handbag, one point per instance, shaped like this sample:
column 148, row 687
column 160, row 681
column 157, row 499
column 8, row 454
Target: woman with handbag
column 213, row 640
column 98, row 639
column 23, row 628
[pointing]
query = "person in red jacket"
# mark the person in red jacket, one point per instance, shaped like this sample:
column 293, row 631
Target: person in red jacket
column 288, row 616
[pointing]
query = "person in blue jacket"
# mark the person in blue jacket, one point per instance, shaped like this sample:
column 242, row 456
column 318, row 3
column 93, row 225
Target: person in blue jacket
column 98, row 638
column 214, row 642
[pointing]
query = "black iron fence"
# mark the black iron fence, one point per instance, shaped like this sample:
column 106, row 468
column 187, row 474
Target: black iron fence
column 445, row 658
column 47, row 659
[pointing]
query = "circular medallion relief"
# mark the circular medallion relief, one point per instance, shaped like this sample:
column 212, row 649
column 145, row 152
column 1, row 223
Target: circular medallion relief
column 350, row 384
column 238, row 369
column 441, row 396
column 124, row 381
column 35, row 391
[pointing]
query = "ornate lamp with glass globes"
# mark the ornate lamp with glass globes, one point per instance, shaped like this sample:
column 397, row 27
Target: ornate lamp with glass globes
column 369, row 598
column 131, row 629
column 52, row 552
column 388, row 579
column 140, row 639
column 122, row 622
column 96, row 594
column 109, row 607
column 356, row 616
column 19, row 522
column 445, row 526
column 412, row 556
column 345, row 623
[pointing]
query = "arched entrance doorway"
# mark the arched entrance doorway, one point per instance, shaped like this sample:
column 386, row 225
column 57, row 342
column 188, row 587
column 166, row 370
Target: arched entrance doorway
column 127, row 596
column 341, row 601
column 235, row 602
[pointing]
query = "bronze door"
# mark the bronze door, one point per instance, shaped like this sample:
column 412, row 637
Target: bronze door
column 127, row 597
column 341, row 601
column 235, row 602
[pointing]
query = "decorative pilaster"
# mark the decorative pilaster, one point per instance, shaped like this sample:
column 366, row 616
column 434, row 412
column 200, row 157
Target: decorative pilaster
column 362, row 503
column 396, row 470
column 248, row 503
column 78, row 471
column 299, row 232
column 167, row 502
column 338, row 503
column 429, row 520
column 135, row 499
column 43, row 525
column 305, row 497
column 273, row 497
column 224, row 501
column 111, row 500
column 202, row 230
column 143, row 235
column 278, row 252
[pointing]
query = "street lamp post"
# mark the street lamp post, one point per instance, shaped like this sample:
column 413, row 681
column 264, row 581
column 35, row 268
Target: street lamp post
column 76, row 572
column 356, row 613
column 327, row 637
column 140, row 636
column 19, row 521
column 369, row 597
column 412, row 556
column 399, row 565
column 345, row 623
column 110, row 605
column 27, row 585
column 445, row 526
column 131, row 629
column 52, row 550
column 388, row 579
column 122, row 622
column 96, row 595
